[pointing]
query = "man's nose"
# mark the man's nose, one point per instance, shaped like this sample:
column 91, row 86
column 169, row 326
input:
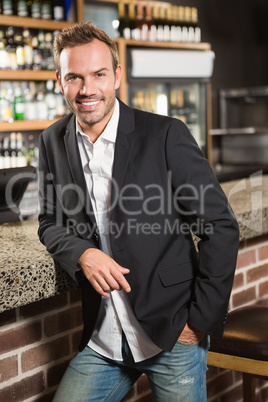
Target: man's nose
column 88, row 87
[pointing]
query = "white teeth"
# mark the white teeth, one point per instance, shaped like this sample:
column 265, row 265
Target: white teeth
column 90, row 103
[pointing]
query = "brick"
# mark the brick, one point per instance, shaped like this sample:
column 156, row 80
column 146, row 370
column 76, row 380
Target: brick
column 263, row 289
column 7, row 317
column 55, row 373
column 263, row 253
column 246, row 258
column 20, row 336
column 257, row 273
column 8, row 368
column 238, row 281
column 62, row 321
column 75, row 295
column 45, row 353
column 43, row 306
column 244, row 297
column 26, row 388
column 76, row 338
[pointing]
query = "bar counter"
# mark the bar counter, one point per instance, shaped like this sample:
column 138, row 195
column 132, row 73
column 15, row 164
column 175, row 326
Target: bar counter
column 29, row 274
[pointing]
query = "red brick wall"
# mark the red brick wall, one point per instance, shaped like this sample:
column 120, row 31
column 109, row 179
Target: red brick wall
column 250, row 287
column 38, row 340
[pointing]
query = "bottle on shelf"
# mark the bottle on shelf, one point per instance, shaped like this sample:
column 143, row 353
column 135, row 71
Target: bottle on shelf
column 58, row 10
column 129, row 32
column 22, row 8
column 122, row 18
column 50, row 100
column 19, row 104
column 2, row 160
column 4, row 58
column 35, row 8
column 21, row 153
column 7, row 7
column 46, row 9
column 37, row 57
column 48, row 53
column 6, row 104
column 194, row 23
column 20, row 52
column 28, row 49
column 11, row 49
column 6, row 153
column 13, row 150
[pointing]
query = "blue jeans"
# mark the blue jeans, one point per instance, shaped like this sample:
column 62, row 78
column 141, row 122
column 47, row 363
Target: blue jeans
column 176, row 376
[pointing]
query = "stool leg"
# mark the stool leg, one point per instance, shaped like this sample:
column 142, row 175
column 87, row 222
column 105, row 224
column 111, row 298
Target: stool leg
column 249, row 384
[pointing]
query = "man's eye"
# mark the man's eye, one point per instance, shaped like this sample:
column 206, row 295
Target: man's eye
column 73, row 78
column 100, row 75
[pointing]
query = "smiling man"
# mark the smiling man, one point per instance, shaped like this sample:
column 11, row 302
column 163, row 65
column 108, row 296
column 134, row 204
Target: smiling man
column 121, row 192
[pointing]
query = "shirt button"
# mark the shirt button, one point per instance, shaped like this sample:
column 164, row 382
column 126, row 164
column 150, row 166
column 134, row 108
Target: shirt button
column 97, row 178
column 101, row 205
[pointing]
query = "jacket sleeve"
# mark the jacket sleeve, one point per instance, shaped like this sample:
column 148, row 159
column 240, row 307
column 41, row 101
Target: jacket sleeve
column 203, row 205
column 63, row 243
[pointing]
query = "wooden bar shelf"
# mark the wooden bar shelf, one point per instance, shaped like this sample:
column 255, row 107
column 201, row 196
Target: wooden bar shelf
column 25, row 125
column 36, row 23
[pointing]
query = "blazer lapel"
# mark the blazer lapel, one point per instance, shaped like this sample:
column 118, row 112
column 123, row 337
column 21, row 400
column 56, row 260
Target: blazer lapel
column 123, row 147
column 76, row 168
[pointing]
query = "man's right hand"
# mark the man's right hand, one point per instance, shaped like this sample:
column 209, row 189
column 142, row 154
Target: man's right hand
column 104, row 274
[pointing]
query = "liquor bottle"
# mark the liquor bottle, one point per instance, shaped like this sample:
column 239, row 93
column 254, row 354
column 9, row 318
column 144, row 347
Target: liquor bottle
column 122, row 18
column 41, row 104
column 2, row 160
column 4, row 58
column 21, row 154
column 131, row 18
column 36, row 54
column 20, row 53
column 6, row 102
column 58, row 10
column 35, row 6
column 41, row 48
column 7, row 7
column 148, row 19
column 186, row 25
column 6, row 153
column 46, row 10
column 60, row 102
column 48, row 52
column 19, row 104
column 11, row 49
column 194, row 23
column 22, row 8
column 13, row 150
column 50, row 100
column 28, row 49
column 30, row 102
column 139, row 20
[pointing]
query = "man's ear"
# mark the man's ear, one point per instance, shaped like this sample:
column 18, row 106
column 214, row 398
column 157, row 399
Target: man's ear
column 59, row 81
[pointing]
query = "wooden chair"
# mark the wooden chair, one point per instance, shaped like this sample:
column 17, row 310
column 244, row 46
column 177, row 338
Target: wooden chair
column 243, row 347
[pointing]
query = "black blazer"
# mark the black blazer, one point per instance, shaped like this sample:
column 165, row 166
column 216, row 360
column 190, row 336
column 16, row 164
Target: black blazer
column 163, row 189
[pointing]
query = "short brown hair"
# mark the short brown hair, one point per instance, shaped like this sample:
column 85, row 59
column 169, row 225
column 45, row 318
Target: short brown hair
column 81, row 34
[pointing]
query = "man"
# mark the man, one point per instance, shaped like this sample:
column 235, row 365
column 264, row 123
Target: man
column 121, row 193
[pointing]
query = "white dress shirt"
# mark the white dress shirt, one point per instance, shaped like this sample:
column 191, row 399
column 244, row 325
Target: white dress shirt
column 115, row 312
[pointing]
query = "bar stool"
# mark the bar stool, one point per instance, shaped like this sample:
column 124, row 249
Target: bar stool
column 243, row 347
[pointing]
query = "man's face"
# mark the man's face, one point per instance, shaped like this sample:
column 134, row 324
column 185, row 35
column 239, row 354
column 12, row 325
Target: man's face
column 88, row 82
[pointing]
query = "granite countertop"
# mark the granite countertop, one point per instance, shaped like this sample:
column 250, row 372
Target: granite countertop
column 29, row 274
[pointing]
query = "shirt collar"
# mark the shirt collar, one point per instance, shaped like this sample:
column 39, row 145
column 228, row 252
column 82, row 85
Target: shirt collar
column 110, row 131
